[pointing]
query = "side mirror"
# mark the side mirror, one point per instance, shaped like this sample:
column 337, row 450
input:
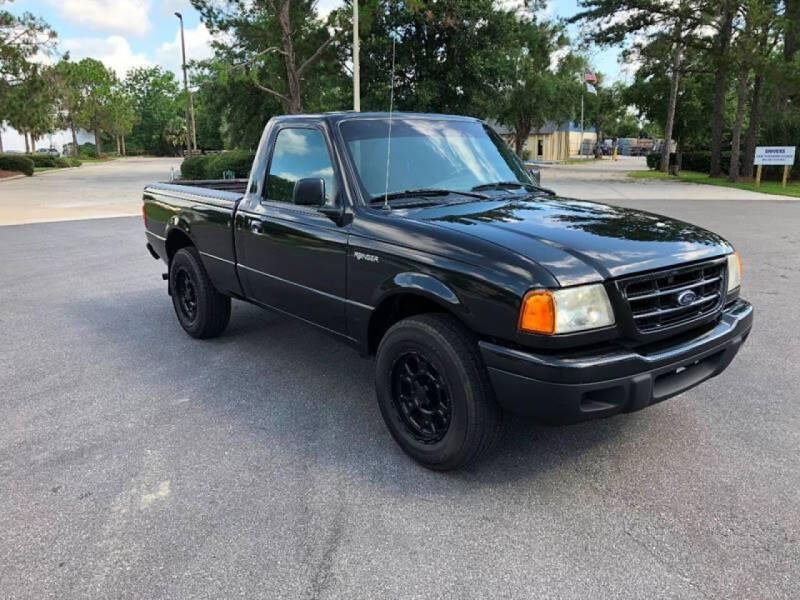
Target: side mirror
column 309, row 192
column 535, row 173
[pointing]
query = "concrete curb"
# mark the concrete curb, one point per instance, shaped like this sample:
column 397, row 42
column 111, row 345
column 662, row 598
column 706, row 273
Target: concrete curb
column 13, row 177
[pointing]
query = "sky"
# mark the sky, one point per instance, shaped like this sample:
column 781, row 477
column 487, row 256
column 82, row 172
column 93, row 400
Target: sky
column 125, row 34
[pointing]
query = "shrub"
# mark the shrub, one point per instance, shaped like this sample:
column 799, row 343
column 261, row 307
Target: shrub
column 238, row 161
column 696, row 160
column 74, row 162
column 87, row 150
column 42, row 160
column 20, row 164
column 213, row 166
column 194, row 167
column 62, row 163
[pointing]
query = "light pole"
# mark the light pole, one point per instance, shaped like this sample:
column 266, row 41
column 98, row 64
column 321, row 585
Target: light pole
column 191, row 135
column 356, row 66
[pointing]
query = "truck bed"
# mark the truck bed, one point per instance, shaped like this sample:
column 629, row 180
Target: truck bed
column 238, row 186
column 204, row 212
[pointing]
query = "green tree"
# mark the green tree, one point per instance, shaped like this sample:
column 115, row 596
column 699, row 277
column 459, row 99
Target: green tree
column 274, row 41
column 69, row 96
column 535, row 93
column 120, row 116
column 606, row 108
column 454, row 57
column 154, row 97
column 720, row 55
column 21, row 37
column 30, row 105
column 231, row 109
column 96, row 86
column 675, row 24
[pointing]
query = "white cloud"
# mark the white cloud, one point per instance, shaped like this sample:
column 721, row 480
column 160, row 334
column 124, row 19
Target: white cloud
column 122, row 16
column 114, row 52
column 324, row 7
column 198, row 47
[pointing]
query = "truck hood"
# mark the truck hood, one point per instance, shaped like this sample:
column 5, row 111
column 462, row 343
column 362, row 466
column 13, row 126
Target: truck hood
column 578, row 241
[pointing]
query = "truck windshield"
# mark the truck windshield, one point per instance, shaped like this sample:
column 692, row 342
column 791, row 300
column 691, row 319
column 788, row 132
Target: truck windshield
column 441, row 154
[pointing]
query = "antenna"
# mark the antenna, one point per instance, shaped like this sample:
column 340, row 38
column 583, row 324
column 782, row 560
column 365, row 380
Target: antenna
column 389, row 137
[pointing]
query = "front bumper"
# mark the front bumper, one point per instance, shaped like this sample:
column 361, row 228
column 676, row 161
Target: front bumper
column 569, row 389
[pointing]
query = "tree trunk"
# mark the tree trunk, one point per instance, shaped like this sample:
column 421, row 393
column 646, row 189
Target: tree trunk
column 754, row 128
column 522, row 130
column 98, row 144
column 677, row 57
column 124, row 150
column 1, row 141
column 741, row 100
column 74, row 138
column 27, row 145
column 720, row 86
column 289, row 59
column 792, row 35
column 119, row 146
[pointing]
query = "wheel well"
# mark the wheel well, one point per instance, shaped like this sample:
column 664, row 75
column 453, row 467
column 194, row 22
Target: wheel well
column 177, row 239
column 394, row 309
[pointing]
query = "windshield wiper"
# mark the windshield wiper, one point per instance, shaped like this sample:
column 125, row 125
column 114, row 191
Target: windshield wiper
column 502, row 185
column 423, row 192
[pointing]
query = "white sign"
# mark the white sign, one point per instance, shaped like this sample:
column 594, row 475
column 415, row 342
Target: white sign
column 774, row 155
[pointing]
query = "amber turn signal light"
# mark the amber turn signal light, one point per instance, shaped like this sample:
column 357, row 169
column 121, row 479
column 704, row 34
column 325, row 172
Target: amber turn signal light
column 538, row 313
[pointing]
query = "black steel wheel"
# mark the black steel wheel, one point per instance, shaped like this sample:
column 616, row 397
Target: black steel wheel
column 201, row 310
column 434, row 392
column 186, row 294
column 422, row 397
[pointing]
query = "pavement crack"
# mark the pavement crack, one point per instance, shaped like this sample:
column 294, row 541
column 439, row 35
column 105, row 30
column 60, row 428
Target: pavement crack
column 323, row 569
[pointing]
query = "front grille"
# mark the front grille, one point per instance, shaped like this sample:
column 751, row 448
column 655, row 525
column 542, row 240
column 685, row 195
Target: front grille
column 653, row 298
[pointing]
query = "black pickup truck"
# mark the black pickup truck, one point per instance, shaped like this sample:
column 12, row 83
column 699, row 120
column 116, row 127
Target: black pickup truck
column 422, row 240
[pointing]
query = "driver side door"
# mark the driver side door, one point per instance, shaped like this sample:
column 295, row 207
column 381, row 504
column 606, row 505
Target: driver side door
column 293, row 257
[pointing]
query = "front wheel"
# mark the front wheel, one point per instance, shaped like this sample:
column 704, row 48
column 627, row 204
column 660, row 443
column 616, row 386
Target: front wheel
column 434, row 393
column 201, row 310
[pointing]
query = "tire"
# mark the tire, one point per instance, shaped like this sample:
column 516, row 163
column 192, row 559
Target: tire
column 201, row 310
column 425, row 364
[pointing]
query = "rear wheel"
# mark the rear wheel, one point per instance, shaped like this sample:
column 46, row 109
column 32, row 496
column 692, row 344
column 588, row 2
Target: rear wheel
column 434, row 393
column 201, row 310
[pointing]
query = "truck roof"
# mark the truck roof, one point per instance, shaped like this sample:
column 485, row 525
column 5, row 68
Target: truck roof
column 347, row 115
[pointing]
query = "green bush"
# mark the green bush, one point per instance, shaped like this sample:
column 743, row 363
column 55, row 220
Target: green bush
column 213, row 166
column 42, row 160
column 20, row 164
column 695, row 160
column 194, row 167
column 63, row 163
column 87, row 150
column 238, row 161
column 74, row 162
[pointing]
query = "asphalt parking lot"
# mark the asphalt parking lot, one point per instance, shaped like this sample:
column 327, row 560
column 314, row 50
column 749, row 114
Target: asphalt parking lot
column 136, row 462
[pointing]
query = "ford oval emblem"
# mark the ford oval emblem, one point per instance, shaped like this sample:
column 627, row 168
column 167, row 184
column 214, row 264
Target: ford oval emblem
column 686, row 298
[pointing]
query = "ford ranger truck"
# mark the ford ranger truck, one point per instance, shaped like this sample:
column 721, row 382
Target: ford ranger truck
column 421, row 239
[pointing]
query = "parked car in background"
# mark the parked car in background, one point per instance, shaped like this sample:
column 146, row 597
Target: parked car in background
column 49, row 151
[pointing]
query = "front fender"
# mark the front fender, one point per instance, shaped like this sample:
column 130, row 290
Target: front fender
column 422, row 284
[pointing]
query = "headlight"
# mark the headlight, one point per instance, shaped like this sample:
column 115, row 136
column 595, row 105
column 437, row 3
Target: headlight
column 566, row 311
column 734, row 271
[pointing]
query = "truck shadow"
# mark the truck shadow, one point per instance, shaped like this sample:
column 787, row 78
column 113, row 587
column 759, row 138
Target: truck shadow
column 307, row 394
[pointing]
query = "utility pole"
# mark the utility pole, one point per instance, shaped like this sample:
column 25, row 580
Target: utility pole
column 191, row 134
column 580, row 148
column 356, row 65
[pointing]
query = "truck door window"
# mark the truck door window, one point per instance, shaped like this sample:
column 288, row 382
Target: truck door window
column 299, row 153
